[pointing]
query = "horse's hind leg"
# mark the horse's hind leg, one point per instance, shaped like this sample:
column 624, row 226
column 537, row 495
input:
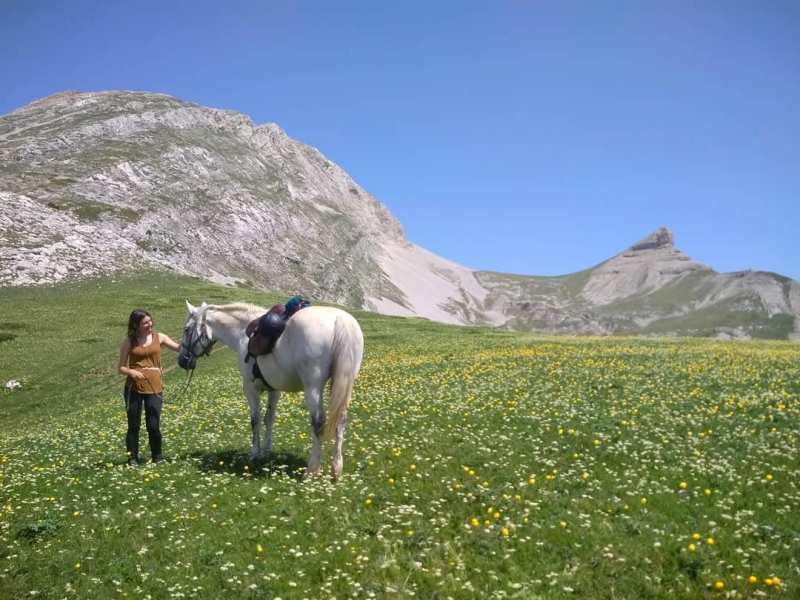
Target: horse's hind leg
column 313, row 397
column 269, row 419
column 338, row 461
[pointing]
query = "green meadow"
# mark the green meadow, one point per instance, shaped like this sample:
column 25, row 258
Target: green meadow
column 479, row 463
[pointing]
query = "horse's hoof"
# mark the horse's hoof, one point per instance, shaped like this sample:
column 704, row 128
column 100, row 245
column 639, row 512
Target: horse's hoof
column 312, row 474
column 337, row 469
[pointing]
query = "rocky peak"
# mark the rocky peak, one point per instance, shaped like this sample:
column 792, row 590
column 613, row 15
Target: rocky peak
column 660, row 238
column 58, row 98
column 650, row 264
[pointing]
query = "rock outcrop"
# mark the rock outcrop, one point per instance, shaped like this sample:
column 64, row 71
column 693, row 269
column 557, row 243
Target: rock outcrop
column 647, row 266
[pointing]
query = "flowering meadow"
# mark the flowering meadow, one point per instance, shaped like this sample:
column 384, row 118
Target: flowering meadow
column 478, row 463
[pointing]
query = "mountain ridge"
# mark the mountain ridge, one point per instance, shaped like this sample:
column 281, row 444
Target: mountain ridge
column 103, row 182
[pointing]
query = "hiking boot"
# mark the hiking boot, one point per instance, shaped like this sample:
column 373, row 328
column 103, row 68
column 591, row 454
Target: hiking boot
column 132, row 462
column 159, row 459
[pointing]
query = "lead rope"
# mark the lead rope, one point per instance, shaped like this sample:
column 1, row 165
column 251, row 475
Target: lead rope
column 163, row 396
column 185, row 387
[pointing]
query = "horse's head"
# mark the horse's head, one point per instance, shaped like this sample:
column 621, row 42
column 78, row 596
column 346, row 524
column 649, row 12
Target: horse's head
column 197, row 339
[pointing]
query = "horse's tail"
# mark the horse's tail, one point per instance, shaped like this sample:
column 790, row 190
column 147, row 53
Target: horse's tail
column 348, row 349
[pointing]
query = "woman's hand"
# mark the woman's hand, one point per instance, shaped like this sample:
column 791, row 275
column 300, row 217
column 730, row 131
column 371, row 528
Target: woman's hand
column 136, row 375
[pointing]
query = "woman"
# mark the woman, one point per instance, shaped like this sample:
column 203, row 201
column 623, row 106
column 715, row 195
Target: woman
column 140, row 360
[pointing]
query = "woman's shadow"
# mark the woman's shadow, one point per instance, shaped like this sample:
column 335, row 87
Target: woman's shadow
column 240, row 463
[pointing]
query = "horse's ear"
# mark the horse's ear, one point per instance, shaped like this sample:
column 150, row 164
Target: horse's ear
column 203, row 305
column 190, row 308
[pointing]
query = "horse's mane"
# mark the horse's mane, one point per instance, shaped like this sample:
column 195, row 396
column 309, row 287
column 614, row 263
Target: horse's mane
column 240, row 310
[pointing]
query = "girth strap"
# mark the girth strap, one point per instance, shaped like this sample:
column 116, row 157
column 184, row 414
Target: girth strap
column 257, row 373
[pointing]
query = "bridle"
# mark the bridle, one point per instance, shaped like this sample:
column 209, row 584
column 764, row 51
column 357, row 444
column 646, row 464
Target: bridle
column 198, row 339
column 188, row 346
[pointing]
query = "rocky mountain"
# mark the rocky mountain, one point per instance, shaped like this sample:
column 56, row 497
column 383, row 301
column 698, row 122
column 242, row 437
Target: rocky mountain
column 100, row 183
column 653, row 288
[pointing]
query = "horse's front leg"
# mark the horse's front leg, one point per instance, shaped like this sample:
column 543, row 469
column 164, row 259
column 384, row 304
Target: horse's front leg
column 269, row 419
column 254, row 400
column 313, row 397
column 338, row 461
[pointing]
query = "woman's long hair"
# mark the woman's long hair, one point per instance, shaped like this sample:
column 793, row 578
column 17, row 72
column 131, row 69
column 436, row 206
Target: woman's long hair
column 133, row 323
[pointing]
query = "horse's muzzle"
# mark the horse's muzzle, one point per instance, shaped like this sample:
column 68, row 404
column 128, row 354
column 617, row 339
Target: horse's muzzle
column 186, row 360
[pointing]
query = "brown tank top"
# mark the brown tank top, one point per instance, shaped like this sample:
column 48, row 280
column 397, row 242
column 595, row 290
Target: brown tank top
column 146, row 360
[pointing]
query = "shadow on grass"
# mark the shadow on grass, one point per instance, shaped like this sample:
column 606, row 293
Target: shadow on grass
column 288, row 464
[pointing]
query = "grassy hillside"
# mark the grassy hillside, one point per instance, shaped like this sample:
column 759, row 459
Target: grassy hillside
column 478, row 463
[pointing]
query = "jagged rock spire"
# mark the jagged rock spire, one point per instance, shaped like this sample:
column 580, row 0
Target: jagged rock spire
column 660, row 238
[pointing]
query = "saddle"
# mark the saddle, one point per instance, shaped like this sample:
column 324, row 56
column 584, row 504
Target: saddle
column 264, row 331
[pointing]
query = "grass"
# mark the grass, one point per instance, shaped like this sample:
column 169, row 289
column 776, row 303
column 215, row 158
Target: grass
column 705, row 321
column 478, row 463
column 668, row 299
column 88, row 210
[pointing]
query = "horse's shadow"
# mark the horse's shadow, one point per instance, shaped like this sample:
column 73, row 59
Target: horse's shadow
column 240, row 463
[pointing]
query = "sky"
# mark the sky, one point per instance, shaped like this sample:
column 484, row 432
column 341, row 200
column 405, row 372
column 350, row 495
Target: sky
column 529, row 137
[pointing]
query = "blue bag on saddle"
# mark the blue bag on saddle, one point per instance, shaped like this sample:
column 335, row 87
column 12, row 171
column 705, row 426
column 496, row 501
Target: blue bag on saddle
column 294, row 304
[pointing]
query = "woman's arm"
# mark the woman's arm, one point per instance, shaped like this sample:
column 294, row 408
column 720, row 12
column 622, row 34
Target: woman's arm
column 123, row 362
column 169, row 342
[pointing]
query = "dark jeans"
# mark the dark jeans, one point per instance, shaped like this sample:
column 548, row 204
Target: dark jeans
column 134, row 402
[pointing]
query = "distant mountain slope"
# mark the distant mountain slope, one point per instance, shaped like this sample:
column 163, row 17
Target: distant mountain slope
column 96, row 183
column 652, row 288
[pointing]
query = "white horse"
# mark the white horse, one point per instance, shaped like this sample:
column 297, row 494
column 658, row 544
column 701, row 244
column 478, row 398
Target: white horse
column 319, row 343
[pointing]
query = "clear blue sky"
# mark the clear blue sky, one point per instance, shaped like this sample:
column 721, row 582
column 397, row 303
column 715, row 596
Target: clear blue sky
column 519, row 136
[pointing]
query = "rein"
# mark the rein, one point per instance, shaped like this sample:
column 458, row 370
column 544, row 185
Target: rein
column 185, row 387
column 188, row 380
